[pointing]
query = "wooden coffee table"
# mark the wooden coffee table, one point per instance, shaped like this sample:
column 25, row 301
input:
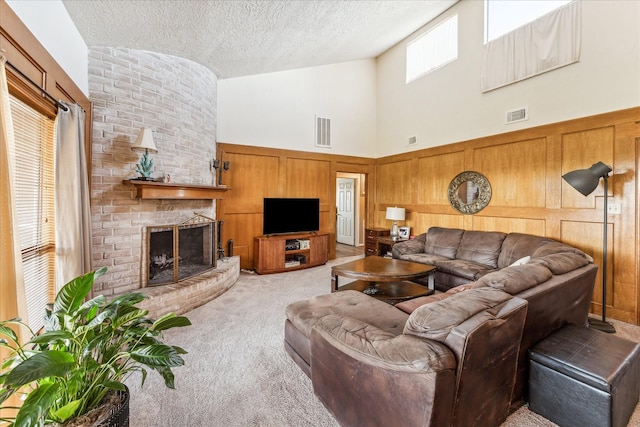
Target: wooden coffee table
column 384, row 278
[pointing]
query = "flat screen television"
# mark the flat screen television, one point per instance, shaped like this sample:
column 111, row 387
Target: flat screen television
column 290, row 215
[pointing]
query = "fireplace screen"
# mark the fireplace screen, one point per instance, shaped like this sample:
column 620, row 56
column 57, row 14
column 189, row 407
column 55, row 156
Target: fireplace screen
column 177, row 252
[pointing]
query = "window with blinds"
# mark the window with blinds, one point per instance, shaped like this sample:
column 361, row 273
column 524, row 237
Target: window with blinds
column 34, row 201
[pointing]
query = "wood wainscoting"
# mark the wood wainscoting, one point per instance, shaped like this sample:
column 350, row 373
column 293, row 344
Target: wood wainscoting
column 524, row 168
column 257, row 172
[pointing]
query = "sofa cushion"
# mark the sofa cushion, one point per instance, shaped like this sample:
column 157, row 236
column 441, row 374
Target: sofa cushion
column 306, row 313
column 561, row 263
column 423, row 258
column 482, row 247
column 517, row 245
column 403, row 353
column 515, row 279
column 443, row 241
column 411, row 246
column 409, row 306
column 554, row 247
column 457, row 267
column 437, row 319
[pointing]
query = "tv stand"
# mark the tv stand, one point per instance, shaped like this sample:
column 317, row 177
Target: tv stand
column 287, row 252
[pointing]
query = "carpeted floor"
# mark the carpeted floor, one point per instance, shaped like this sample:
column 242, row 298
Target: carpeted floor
column 237, row 372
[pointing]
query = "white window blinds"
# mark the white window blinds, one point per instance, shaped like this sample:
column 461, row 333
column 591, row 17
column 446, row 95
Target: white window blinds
column 551, row 41
column 34, row 193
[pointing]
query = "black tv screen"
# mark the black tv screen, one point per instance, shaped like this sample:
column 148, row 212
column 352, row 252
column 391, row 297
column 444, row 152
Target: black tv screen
column 290, row 215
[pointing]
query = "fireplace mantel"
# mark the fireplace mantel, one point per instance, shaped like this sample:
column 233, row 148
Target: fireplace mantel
column 163, row 190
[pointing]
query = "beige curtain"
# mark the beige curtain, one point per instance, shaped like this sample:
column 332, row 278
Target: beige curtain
column 73, row 217
column 551, row 41
column 12, row 296
column 12, row 301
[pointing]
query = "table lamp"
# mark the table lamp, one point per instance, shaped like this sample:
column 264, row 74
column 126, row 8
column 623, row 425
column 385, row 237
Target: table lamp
column 145, row 143
column 395, row 214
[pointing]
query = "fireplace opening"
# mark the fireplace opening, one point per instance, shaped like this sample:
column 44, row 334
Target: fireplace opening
column 177, row 252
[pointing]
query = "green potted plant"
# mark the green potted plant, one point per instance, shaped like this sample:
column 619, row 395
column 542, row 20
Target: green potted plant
column 87, row 350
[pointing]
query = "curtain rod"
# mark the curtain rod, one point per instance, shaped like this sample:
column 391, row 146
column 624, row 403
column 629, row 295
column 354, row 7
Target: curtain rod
column 48, row 95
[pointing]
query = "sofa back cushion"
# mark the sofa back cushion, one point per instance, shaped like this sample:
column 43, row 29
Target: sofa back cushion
column 435, row 320
column 517, row 245
column 482, row 247
column 515, row 279
column 443, row 241
column 561, row 263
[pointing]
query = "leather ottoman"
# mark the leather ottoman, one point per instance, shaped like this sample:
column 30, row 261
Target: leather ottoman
column 584, row 377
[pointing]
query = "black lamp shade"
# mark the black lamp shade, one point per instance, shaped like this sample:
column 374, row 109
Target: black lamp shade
column 587, row 180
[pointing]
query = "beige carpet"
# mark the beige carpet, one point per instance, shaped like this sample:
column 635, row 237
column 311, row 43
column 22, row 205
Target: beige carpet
column 237, row 372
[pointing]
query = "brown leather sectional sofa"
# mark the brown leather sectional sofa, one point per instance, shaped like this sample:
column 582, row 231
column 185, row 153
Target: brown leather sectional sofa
column 463, row 256
column 456, row 358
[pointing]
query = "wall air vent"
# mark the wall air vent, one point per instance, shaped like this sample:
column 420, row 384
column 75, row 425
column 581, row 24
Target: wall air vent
column 517, row 115
column 323, row 132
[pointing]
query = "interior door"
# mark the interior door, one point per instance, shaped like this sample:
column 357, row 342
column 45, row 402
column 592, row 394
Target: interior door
column 345, row 201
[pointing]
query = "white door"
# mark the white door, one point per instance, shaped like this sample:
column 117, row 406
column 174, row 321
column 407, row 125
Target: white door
column 345, row 201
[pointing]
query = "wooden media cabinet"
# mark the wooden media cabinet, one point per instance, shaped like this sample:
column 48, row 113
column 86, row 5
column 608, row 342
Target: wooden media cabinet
column 278, row 253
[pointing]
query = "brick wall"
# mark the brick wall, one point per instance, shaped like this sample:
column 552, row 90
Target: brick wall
column 176, row 98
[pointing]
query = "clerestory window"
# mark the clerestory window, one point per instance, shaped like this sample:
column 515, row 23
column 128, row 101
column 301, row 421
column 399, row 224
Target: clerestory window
column 433, row 49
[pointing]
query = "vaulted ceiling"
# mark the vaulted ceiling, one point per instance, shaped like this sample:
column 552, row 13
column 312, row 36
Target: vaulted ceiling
column 238, row 37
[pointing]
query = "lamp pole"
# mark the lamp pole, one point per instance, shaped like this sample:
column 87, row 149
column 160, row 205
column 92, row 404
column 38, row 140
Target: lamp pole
column 586, row 181
column 603, row 325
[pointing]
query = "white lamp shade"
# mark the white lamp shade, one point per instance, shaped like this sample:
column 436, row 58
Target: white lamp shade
column 396, row 214
column 144, row 141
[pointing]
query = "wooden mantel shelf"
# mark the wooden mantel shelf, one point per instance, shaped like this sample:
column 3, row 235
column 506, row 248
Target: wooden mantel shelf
column 162, row 190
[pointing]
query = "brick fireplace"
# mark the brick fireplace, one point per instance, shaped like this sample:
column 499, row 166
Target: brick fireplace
column 177, row 252
column 176, row 98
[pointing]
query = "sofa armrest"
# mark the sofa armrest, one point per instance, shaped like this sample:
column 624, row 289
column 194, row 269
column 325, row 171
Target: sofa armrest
column 412, row 246
column 362, row 375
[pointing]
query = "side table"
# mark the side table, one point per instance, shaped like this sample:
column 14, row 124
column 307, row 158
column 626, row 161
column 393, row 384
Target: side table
column 371, row 239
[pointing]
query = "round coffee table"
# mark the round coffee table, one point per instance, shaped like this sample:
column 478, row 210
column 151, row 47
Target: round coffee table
column 391, row 292
column 384, row 278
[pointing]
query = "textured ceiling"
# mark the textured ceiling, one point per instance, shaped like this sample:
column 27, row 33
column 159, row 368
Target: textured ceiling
column 237, row 38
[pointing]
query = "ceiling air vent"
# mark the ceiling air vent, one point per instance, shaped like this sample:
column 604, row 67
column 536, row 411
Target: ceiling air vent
column 323, row 132
column 517, row 115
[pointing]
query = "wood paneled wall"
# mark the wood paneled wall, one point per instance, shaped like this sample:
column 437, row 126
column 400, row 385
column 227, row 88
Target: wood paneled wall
column 256, row 173
column 525, row 170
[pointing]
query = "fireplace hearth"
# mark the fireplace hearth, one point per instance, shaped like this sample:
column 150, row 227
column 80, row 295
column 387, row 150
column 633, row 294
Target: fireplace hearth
column 177, row 252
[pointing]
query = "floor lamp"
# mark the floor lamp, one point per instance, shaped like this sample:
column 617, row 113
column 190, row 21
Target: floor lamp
column 586, row 181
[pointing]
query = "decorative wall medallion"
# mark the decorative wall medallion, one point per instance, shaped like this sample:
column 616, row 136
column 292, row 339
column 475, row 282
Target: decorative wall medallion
column 469, row 192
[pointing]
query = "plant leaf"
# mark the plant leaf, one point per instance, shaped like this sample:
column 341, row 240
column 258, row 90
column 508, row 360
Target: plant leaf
column 8, row 332
column 94, row 302
column 50, row 336
column 36, row 406
column 179, row 350
column 5, row 393
column 167, row 375
column 67, row 411
column 52, row 363
column 115, row 385
column 128, row 317
column 157, row 355
column 169, row 321
column 131, row 298
column 73, row 293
